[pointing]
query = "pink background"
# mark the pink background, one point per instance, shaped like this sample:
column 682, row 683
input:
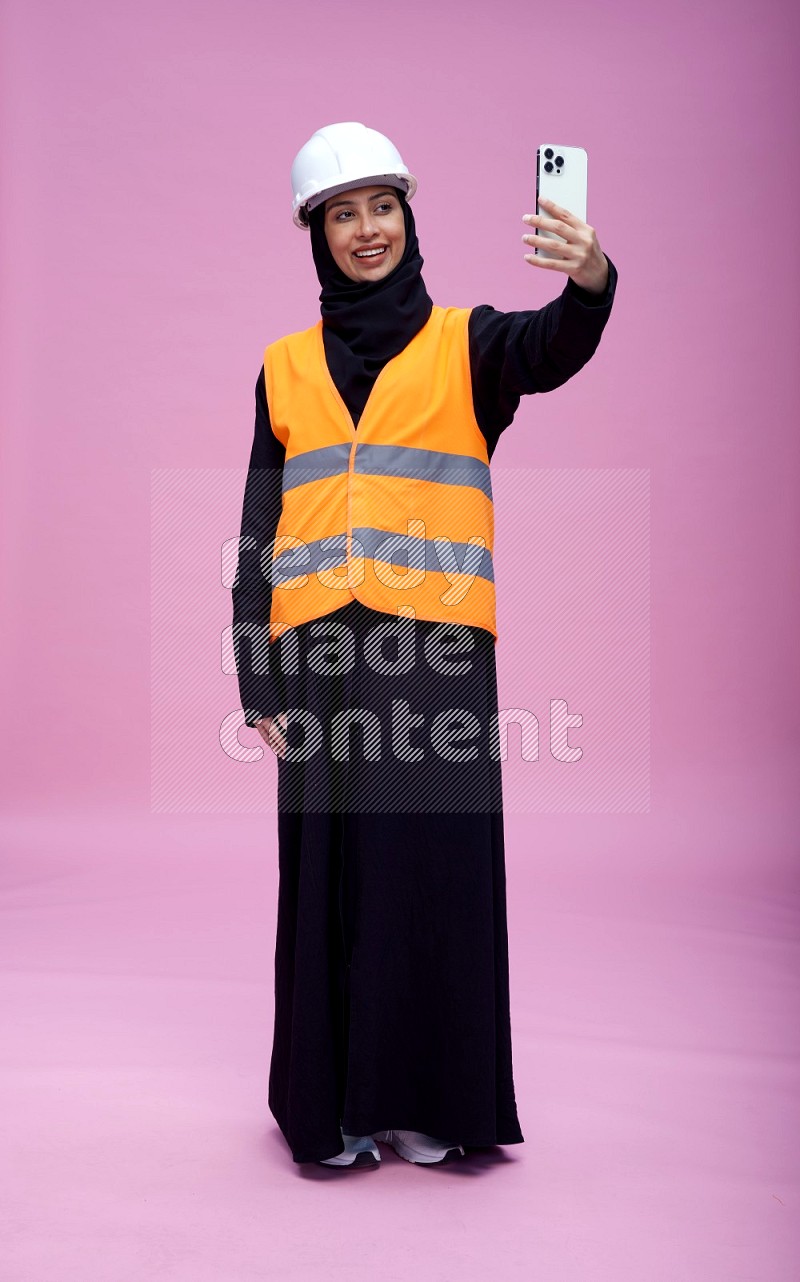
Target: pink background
column 148, row 255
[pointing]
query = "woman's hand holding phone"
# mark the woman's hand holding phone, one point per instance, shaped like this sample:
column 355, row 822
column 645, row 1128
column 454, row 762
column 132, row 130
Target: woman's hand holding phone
column 579, row 254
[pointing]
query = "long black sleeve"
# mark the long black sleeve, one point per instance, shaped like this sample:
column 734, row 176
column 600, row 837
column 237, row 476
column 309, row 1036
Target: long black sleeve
column 513, row 354
column 260, row 684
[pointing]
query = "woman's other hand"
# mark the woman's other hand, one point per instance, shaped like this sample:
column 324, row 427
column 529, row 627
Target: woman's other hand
column 273, row 732
column 580, row 256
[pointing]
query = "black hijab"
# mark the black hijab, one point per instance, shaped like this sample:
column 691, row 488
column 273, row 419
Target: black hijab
column 366, row 323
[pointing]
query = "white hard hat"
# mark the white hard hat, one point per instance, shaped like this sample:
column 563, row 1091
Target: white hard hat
column 340, row 157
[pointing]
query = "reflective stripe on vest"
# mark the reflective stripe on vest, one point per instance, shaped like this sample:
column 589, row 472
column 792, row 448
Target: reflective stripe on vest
column 397, row 514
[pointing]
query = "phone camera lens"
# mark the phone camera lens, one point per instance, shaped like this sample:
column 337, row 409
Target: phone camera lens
column 559, row 160
column 548, row 153
column 548, row 166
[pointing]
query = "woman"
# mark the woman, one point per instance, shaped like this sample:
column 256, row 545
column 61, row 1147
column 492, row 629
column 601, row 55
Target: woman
column 372, row 609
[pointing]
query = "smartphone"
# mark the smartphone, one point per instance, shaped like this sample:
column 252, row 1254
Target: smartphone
column 560, row 176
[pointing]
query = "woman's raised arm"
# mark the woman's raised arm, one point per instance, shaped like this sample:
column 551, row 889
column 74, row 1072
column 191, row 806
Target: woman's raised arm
column 514, row 354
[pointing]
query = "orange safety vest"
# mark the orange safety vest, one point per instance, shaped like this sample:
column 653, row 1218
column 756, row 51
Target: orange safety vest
column 398, row 514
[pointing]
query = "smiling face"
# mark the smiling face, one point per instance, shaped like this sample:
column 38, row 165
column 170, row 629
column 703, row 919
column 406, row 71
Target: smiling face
column 366, row 232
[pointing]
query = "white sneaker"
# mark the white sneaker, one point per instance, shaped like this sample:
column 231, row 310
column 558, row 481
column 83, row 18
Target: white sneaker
column 419, row 1148
column 358, row 1151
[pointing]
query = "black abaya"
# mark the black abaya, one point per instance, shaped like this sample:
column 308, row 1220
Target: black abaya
column 391, row 958
column 392, row 1005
